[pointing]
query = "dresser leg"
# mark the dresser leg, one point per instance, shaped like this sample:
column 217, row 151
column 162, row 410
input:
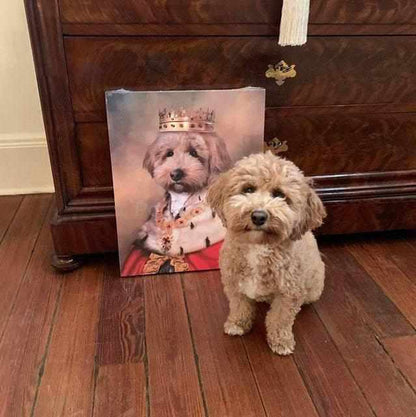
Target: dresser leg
column 65, row 263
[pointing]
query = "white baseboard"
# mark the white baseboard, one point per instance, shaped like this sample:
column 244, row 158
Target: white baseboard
column 24, row 165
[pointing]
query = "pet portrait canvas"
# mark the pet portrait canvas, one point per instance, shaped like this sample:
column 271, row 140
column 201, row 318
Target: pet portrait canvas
column 166, row 148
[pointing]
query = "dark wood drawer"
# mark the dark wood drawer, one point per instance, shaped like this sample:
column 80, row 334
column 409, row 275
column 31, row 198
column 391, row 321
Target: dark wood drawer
column 330, row 70
column 233, row 11
column 321, row 142
column 324, row 141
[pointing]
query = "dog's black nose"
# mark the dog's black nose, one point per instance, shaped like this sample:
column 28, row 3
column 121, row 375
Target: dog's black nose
column 259, row 217
column 177, row 174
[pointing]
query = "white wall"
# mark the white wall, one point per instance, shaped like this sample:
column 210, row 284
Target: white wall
column 24, row 162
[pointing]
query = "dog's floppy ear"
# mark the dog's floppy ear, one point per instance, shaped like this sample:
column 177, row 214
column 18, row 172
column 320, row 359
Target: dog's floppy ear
column 219, row 159
column 313, row 213
column 217, row 194
column 150, row 159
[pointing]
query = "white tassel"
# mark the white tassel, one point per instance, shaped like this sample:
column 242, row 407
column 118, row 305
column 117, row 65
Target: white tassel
column 294, row 23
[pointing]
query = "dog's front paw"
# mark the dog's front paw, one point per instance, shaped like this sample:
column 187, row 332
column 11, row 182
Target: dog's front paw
column 282, row 345
column 234, row 329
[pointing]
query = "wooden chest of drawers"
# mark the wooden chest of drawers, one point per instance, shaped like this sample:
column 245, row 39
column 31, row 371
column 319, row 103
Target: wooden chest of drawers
column 348, row 118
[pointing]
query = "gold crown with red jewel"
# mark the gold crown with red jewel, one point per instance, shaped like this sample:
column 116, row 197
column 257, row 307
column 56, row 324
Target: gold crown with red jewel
column 186, row 120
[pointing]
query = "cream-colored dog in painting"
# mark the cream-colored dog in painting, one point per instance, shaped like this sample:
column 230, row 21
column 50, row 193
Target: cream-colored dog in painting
column 269, row 253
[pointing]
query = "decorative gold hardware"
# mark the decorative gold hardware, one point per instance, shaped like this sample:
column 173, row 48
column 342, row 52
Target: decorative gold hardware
column 280, row 72
column 276, row 146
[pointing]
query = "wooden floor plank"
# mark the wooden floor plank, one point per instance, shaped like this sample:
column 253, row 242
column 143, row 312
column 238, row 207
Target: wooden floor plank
column 363, row 293
column 172, row 371
column 27, row 330
column 281, row 386
column 403, row 351
column 401, row 249
column 121, row 324
column 228, row 382
column 16, row 249
column 349, row 324
column 377, row 260
column 67, row 385
column 8, row 208
column 410, row 237
column 333, row 389
column 403, row 254
column 120, row 391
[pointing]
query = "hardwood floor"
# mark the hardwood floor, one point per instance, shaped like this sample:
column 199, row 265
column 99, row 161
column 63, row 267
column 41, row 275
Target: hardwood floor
column 91, row 344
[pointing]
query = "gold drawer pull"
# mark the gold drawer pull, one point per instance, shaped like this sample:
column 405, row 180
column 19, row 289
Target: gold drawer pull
column 276, row 146
column 280, row 72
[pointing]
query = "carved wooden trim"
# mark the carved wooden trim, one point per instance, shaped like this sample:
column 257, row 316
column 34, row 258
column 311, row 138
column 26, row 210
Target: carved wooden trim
column 338, row 187
column 193, row 29
column 355, row 186
column 345, row 109
column 51, row 71
column 92, row 200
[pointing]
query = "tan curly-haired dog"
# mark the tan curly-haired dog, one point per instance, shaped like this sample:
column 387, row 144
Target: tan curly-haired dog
column 269, row 253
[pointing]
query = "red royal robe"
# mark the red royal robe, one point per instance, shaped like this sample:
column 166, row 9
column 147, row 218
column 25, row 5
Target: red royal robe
column 140, row 263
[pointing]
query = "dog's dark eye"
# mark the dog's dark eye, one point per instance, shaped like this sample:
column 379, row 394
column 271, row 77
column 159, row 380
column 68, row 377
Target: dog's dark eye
column 193, row 153
column 169, row 154
column 249, row 190
column 278, row 194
